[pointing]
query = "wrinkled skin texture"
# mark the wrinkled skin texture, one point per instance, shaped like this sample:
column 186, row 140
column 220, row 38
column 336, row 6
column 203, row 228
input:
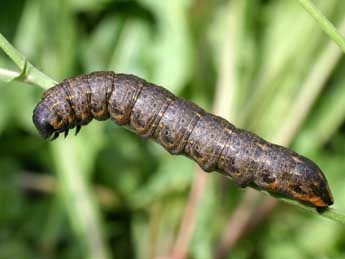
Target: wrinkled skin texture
column 181, row 127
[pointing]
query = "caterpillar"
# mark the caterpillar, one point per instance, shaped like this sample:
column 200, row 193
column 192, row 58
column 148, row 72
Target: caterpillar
column 181, row 127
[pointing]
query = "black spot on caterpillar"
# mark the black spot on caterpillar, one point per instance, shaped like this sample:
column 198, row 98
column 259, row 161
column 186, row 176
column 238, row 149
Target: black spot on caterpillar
column 181, row 127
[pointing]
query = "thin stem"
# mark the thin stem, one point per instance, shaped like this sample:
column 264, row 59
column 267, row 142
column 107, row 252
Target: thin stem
column 9, row 75
column 13, row 53
column 324, row 23
column 328, row 213
column 28, row 71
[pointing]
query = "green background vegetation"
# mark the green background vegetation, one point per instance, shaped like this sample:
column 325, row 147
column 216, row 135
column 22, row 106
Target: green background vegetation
column 267, row 66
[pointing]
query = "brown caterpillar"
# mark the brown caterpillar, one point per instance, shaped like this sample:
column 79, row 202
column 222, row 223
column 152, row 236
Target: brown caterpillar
column 181, row 127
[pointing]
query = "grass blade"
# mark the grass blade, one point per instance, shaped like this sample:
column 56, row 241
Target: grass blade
column 324, row 23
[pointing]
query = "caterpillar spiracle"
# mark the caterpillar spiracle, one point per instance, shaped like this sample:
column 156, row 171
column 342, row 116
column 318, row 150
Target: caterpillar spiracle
column 181, row 127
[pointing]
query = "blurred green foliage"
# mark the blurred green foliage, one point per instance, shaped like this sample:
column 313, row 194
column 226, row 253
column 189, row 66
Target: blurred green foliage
column 110, row 194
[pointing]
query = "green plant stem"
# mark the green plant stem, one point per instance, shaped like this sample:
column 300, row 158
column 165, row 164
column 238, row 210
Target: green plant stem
column 28, row 71
column 328, row 213
column 14, row 54
column 324, row 23
column 10, row 75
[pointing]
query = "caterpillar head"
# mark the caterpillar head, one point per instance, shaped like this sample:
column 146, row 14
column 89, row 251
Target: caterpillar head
column 48, row 123
column 43, row 119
